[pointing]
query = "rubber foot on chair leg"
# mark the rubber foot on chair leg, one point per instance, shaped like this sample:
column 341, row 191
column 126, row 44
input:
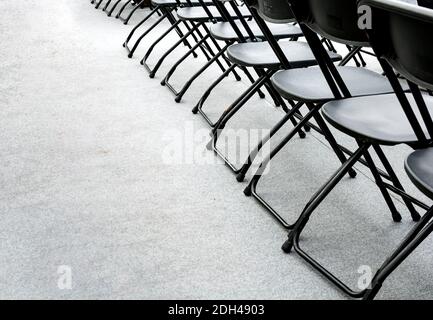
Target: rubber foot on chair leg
column 178, row 99
column 151, row 75
column 195, row 110
column 396, row 217
column 240, row 177
column 352, row 173
column 130, row 55
column 287, row 246
column 247, row 191
column 416, row 216
column 302, row 134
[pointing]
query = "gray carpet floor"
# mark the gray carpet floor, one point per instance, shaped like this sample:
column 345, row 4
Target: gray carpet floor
column 102, row 172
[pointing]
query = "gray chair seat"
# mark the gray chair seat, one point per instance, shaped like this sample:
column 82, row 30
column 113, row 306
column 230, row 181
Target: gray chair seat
column 378, row 118
column 172, row 3
column 225, row 32
column 198, row 14
column 310, row 84
column 260, row 54
column 419, row 167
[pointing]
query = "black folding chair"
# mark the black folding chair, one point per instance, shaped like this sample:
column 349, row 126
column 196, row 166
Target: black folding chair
column 243, row 31
column 400, row 37
column 269, row 56
column 165, row 9
column 318, row 85
column 200, row 17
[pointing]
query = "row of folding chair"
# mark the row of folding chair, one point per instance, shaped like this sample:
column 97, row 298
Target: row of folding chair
column 315, row 87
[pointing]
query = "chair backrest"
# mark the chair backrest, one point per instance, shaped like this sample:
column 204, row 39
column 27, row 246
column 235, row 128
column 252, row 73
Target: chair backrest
column 334, row 19
column 426, row 3
column 402, row 35
column 275, row 11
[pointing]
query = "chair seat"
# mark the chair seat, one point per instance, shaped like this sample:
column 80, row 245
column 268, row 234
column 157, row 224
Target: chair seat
column 379, row 118
column 260, row 54
column 310, row 84
column 171, row 3
column 225, row 32
column 419, row 167
column 198, row 14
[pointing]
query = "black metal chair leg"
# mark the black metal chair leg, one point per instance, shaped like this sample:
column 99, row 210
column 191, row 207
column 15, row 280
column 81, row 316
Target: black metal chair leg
column 248, row 163
column 138, row 6
column 131, row 34
column 98, row 4
column 106, row 6
column 137, row 43
column 251, row 189
column 123, row 8
column 206, row 94
column 179, row 31
column 394, row 212
column 165, row 81
column 113, row 8
column 152, row 72
column 316, row 200
column 188, row 84
column 237, row 104
column 415, row 215
column 322, row 193
column 160, row 38
column 416, row 236
column 331, row 139
column 251, row 79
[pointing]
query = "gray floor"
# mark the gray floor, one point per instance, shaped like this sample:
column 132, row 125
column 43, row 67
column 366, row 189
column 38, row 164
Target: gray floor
column 103, row 173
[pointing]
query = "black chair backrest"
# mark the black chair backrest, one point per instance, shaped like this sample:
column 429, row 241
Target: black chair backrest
column 276, row 11
column 426, row 3
column 334, row 19
column 401, row 35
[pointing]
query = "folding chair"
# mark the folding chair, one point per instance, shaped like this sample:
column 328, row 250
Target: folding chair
column 315, row 86
column 165, row 10
column 199, row 16
column 269, row 56
column 202, row 14
column 243, row 31
column 401, row 39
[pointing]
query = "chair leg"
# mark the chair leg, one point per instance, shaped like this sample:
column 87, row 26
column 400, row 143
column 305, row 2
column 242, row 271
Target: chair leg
column 188, row 84
column 206, row 94
column 106, row 6
column 131, row 34
column 168, row 52
column 320, row 195
column 251, row 190
column 137, row 43
column 415, row 215
column 415, row 237
column 165, row 81
column 248, row 163
column 138, row 6
column 158, row 40
column 394, row 212
column 123, row 8
column 110, row 13
column 98, row 4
